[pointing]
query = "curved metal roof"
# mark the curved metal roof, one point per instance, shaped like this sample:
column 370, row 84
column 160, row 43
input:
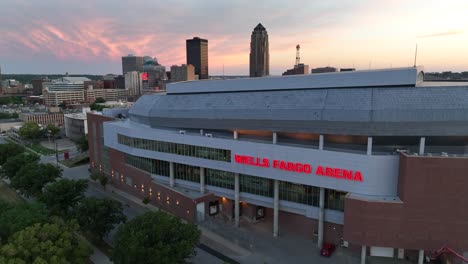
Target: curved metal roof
column 374, row 110
column 351, row 111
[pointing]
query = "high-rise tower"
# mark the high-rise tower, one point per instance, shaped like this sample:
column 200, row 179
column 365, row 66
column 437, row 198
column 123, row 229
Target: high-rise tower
column 197, row 55
column 259, row 54
column 132, row 63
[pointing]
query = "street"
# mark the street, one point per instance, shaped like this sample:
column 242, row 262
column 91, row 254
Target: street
column 131, row 209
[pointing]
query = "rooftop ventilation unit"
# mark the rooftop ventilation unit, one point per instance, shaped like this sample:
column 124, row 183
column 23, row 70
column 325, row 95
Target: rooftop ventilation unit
column 208, row 135
column 182, row 132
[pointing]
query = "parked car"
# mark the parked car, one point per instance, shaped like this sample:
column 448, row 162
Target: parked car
column 327, row 249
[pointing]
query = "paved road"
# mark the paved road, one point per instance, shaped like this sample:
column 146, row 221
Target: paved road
column 131, row 209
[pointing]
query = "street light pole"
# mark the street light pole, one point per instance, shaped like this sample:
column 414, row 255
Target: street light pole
column 56, row 153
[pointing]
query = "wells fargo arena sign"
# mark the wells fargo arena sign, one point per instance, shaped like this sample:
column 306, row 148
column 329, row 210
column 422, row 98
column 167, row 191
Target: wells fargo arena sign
column 338, row 173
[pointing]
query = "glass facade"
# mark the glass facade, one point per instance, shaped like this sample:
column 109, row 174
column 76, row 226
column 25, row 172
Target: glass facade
column 175, row 148
column 256, row 185
column 219, row 178
column 299, row 193
column 296, row 193
column 153, row 166
column 186, row 172
column 334, row 200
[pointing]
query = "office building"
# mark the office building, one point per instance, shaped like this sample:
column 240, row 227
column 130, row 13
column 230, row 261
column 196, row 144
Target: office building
column 43, row 118
column 298, row 69
column 133, row 83
column 132, row 63
column 338, row 158
column 259, row 52
column 37, row 85
column 197, row 55
column 66, row 84
column 154, row 75
column 182, row 73
column 76, row 126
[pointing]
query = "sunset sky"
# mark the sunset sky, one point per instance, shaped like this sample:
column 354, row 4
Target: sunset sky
column 86, row 36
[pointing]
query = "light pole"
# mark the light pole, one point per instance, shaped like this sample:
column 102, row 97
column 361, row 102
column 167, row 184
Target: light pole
column 56, row 153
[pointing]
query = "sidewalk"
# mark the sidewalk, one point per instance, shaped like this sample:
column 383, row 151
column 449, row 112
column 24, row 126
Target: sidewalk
column 99, row 258
column 254, row 243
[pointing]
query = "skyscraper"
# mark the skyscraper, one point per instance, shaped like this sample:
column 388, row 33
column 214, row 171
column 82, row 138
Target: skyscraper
column 132, row 63
column 259, row 55
column 197, row 55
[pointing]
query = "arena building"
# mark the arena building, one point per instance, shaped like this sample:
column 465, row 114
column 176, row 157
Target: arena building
column 374, row 160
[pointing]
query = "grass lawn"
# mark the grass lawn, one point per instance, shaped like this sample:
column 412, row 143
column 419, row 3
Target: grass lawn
column 9, row 195
column 40, row 149
column 76, row 161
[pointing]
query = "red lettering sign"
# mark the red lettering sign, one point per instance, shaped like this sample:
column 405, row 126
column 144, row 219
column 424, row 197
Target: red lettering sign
column 298, row 167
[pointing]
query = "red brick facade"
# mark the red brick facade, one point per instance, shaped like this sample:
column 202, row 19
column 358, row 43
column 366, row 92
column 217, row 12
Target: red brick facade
column 433, row 211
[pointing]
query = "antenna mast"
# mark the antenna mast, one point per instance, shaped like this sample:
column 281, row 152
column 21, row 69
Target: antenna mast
column 298, row 57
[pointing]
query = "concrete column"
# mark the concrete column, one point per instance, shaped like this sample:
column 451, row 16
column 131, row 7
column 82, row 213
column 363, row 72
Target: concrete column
column 321, row 218
column 363, row 254
column 321, row 140
column 171, row 174
column 236, row 134
column 422, row 145
column 275, row 208
column 369, row 145
column 236, row 199
column 202, row 180
column 275, row 138
column 421, row 256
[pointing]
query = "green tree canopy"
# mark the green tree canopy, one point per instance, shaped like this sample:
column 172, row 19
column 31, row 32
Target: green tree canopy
column 30, row 179
column 18, row 217
column 155, row 237
column 52, row 129
column 100, row 100
column 30, row 131
column 46, row 243
column 9, row 150
column 82, row 144
column 61, row 196
column 15, row 163
column 99, row 216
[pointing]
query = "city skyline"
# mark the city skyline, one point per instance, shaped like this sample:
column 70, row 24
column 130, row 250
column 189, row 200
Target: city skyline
column 362, row 34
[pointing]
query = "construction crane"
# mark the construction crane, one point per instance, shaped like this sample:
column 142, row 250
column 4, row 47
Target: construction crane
column 298, row 57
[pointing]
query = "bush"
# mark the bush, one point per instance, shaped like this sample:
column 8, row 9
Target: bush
column 95, row 176
column 146, row 200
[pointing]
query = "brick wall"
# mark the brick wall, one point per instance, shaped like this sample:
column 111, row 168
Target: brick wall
column 434, row 210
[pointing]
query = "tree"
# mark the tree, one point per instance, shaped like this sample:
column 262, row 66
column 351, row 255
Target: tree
column 52, row 130
column 15, row 163
column 100, row 100
column 155, row 237
column 30, row 131
column 99, row 216
column 18, row 217
column 96, row 107
column 61, row 196
column 103, row 181
column 9, row 150
column 30, row 179
column 82, row 144
column 95, row 176
column 46, row 243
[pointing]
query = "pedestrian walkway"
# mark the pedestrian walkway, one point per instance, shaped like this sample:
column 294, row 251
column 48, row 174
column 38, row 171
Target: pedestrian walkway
column 253, row 243
column 99, row 258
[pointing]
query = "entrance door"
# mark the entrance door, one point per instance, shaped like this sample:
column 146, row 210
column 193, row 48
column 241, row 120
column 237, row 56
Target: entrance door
column 201, row 212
